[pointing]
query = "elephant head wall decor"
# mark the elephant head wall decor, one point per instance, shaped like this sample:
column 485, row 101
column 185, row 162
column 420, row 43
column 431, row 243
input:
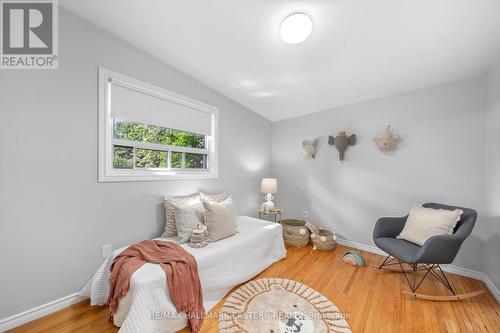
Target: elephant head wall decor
column 388, row 141
column 310, row 147
column 341, row 141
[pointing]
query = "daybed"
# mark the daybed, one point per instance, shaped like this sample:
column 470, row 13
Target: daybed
column 222, row 265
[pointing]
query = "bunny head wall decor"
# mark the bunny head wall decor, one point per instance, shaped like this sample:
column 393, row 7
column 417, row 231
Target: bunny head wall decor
column 310, row 147
column 341, row 141
column 388, row 141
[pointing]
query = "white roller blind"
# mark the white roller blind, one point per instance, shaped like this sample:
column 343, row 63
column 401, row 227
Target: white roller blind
column 133, row 105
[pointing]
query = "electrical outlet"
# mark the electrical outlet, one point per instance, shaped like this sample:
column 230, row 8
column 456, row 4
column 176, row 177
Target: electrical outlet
column 306, row 214
column 106, row 251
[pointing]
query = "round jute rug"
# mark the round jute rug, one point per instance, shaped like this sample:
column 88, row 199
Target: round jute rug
column 279, row 306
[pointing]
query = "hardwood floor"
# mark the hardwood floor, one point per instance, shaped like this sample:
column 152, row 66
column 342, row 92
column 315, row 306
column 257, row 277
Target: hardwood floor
column 372, row 299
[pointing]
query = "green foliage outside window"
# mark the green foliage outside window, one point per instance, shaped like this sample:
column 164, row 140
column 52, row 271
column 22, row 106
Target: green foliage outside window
column 146, row 158
column 195, row 161
column 151, row 158
column 122, row 157
column 176, row 160
column 126, row 130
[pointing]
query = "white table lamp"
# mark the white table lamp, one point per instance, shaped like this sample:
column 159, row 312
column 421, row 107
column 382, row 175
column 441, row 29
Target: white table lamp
column 269, row 186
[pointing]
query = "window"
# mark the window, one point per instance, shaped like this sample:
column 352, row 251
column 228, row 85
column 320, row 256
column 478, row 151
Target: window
column 148, row 133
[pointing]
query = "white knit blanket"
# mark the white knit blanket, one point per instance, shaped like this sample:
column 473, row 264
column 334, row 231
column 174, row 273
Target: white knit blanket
column 147, row 307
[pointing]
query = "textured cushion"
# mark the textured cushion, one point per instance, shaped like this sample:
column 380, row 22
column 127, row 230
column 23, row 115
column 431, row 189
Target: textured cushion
column 170, row 227
column 220, row 219
column 218, row 197
column 423, row 223
column 398, row 248
column 187, row 217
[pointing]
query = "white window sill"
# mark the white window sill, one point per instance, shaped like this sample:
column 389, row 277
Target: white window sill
column 137, row 175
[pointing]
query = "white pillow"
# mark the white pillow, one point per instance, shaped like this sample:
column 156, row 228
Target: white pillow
column 218, row 197
column 187, row 217
column 423, row 223
column 220, row 219
column 170, row 227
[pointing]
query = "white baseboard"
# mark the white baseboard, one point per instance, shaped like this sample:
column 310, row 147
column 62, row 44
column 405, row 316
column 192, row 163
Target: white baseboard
column 492, row 287
column 463, row 271
column 363, row 247
column 447, row 268
column 39, row 311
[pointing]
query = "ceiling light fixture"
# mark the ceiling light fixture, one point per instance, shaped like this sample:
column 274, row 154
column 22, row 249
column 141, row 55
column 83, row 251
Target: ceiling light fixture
column 296, row 28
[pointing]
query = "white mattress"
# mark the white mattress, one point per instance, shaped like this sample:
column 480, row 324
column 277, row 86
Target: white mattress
column 147, row 307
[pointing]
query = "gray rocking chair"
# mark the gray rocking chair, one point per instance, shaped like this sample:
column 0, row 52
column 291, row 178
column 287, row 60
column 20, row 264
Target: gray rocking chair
column 436, row 250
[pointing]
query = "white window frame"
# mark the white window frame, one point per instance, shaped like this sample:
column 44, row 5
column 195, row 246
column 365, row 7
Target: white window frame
column 106, row 140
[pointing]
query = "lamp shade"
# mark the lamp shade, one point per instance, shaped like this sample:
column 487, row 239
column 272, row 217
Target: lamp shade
column 269, row 185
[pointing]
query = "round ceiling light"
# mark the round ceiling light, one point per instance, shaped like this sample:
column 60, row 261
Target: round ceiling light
column 296, row 28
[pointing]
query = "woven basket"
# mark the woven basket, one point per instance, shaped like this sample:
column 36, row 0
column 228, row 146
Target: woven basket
column 328, row 243
column 295, row 233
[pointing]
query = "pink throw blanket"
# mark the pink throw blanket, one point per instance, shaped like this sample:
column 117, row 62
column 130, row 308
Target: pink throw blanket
column 180, row 268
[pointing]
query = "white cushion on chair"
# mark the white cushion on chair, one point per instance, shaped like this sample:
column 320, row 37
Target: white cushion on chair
column 423, row 223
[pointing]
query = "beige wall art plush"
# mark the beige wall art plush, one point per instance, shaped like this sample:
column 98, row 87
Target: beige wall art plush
column 388, row 141
column 310, row 147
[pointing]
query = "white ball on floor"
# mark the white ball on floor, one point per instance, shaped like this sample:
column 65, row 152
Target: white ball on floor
column 302, row 232
column 323, row 238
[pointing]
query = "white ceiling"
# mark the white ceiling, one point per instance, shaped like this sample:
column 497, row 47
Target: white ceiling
column 358, row 50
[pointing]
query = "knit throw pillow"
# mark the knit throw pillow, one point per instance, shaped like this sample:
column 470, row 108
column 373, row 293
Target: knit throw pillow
column 170, row 225
column 187, row 218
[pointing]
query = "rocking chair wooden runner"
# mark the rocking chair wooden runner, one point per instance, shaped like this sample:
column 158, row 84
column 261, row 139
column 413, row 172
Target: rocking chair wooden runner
column 436, row 250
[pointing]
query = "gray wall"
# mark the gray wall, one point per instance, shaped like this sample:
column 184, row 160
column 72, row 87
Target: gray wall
column 441, row 158
column 54, row 215
column 492, row 239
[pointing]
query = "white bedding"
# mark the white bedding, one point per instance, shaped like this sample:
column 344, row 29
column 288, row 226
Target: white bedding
column 147, row 307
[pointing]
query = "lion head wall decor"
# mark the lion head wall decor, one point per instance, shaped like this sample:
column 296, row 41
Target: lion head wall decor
column 310, row 147
column 388, row 141
column 341, row 141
